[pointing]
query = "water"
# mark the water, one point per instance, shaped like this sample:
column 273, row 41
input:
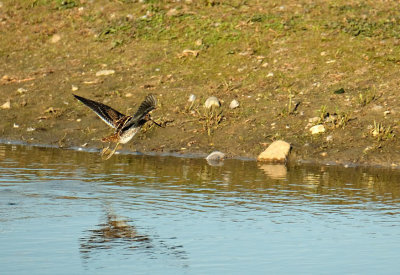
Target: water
column 69, row 212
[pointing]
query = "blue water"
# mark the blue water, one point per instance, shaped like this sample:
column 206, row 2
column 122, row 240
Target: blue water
column 69, row 212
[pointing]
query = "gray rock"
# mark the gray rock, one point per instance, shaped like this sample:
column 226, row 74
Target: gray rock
column 215, row 158
column 216, row 155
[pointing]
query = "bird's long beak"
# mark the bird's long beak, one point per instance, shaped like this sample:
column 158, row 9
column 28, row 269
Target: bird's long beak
column 159, row 125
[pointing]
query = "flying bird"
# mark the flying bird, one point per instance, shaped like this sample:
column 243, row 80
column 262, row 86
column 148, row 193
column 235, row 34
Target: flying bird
column 125, row 126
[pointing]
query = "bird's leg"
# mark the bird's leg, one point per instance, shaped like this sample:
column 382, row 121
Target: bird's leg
column 110, row 154
column 105, row 149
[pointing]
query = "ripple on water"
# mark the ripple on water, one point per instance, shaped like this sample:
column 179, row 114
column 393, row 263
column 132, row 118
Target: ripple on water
column 68, row 210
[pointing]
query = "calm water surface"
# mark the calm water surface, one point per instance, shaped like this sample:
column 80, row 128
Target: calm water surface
column 68, row 212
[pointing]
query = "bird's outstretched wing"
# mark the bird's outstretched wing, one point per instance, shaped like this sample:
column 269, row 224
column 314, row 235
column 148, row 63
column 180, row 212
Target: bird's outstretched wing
column 106, row 113
column 148, row 104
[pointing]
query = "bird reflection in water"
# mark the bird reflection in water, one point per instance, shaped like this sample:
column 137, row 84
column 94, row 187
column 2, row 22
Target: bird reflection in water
column 116, row 233
column 113, row 232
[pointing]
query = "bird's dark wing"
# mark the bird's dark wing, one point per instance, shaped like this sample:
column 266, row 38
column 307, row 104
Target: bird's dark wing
column 106, row 113
column 147, row 105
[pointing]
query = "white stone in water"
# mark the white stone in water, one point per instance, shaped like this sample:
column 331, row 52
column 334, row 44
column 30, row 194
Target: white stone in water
column 278, row 151
column 212, row 101
column 215, row 158
column 192, row 98
column 234, row 104
column 105, row 72
column 216, row 155
column 317, row 129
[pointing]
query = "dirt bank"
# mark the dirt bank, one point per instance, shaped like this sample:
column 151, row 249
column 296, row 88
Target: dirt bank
column 290, row 65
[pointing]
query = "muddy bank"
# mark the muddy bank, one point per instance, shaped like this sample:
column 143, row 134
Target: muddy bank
column 290, row 66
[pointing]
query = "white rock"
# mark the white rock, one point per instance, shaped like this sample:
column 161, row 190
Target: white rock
column 172, row 12
column 21, row 90
column 317, row 129
column 212, row 101
column 15, row 125
column 6, row 105
column 105, row 72
column 74, row 88
column 192, row 98
column 278, row 151
column 329, row 138
column 30, row 129
column 313, row 119
column 55, row 38
column 234, row 104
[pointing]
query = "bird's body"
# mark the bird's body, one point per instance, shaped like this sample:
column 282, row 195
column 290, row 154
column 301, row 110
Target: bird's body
column 126, row 127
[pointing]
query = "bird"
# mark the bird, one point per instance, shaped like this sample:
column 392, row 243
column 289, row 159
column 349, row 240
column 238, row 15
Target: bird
column 126, row 127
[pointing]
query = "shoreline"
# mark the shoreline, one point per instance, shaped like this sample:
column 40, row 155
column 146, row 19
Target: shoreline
column 321, row 77
column 291, row 161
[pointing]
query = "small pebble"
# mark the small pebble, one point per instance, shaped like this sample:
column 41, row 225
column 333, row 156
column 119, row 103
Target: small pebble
column 212, row 101
column 74, row 88
column 234, row 104
column 192, row 98
column 21, row 90
column 55, row 38
column 317, row 129
column 6, row 105
column 105, row 72
column 216, row 155
column 313, row 119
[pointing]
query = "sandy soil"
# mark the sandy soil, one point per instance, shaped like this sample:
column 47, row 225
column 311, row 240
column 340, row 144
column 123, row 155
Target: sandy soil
column 290, row 64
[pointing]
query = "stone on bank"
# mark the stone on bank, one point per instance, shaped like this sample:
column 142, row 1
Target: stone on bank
column 278, row 152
